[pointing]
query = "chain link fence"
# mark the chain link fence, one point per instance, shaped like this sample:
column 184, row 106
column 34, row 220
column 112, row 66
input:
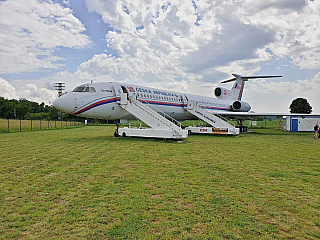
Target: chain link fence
column 18, row 125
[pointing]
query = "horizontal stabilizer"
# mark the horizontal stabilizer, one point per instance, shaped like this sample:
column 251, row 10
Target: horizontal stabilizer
column 245, row 78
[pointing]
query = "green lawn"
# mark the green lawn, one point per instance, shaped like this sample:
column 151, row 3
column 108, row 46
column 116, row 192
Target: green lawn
column 83, row 183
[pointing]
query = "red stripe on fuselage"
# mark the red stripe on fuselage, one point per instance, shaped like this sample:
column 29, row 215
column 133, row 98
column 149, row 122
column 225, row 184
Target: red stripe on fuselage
column 94, row 104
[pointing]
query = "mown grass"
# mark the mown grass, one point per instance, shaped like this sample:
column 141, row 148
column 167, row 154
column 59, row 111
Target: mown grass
column 83, row 183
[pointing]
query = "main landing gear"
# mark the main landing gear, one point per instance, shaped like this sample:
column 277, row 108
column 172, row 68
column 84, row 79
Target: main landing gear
column 241, row 127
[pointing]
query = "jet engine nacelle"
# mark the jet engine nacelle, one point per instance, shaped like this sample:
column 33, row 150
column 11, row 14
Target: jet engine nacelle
column 222, row 93
column 240, row 106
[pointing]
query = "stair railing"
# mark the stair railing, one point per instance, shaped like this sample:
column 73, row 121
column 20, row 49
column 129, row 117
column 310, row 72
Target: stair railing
column 174, row 121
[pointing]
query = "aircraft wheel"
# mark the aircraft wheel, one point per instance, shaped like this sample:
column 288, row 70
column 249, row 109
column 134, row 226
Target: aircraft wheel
column 116, row 133
column 124, row 134
column 189, row 132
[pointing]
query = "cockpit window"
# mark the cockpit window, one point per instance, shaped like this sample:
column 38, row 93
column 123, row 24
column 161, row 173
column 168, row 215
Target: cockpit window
column 80, row 88
column 84, row 88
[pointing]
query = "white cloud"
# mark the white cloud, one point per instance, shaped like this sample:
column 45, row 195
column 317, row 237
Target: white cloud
column 31, row 30
column 295, row 5
column 34, row 93
column 7, row 90
column 151, row 38
column 270, row 95
column 297, row 27
column 286, row 88
column 67, row 2
column 180, row 40
column 42, row 92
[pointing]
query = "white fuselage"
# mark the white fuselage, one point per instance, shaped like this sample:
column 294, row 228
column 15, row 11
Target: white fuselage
column 99, row 100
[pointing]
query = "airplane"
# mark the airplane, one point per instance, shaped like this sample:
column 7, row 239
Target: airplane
column 101, row 100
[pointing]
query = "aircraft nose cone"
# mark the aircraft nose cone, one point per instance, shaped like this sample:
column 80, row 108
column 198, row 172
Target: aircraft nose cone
column 65, row 103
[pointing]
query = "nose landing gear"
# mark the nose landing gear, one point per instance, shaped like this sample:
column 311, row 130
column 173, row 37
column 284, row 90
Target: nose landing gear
column 116, row 133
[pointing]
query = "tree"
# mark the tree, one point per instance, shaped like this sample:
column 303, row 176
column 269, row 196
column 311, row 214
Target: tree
column 300, row 105
column 26, row 109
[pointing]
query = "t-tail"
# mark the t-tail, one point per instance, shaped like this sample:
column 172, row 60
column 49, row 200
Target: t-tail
column 235, row 93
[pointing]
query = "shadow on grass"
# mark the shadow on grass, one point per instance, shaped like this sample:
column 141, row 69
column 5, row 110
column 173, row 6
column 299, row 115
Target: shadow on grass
column 108, row 138
column 164, row 140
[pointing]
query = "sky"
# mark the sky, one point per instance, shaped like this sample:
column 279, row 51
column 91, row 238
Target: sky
column 181, row 45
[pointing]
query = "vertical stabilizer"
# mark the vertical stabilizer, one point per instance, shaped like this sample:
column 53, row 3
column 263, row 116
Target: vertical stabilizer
column 237, row 88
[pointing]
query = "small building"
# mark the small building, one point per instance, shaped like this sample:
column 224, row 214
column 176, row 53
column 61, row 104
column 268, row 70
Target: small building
column 301, row 124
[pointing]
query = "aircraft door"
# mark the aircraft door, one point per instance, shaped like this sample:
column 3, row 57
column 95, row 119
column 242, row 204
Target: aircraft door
column 118, row 90
column 125, row 90
column 184, row 100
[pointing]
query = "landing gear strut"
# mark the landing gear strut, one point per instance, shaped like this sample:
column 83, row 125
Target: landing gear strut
column 241, row 127
column 116, row 134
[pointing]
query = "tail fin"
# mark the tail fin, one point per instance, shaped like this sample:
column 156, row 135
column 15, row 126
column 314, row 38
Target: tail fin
column 238, row 86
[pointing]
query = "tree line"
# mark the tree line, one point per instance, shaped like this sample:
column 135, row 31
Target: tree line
column 25, row 109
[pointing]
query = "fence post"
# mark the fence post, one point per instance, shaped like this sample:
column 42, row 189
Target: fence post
column 55, row 123
column 48, row 124
column 40, row 123
column 31, row 124
column 20, row 124
column 60, row 123
column 8, row 125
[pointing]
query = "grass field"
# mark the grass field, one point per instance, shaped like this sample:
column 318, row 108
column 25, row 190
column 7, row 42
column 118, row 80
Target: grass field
column 83, row 183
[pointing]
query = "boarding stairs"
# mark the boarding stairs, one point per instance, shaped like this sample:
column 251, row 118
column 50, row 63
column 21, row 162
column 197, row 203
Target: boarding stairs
column 220, row 124
column 159, row 122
